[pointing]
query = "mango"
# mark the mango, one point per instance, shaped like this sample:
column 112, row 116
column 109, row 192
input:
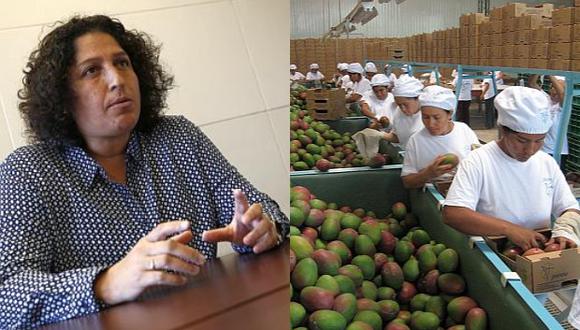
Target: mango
column 451, row 283
column 359, row 212
column 405, row 316
column 370, row 317
column 392, row 275
column 388, row 309
column 386, row 293
column 457, row 327
column 428, row 282
column 296, row 216
column 368, row 290
column 332, row 206
column 314, row 298
column 329, row 283
column 313, row 148
column 350, row 220
column 297, row 314
column 399, row 210
column 341, row 249
column 327, row 261
column 348, row 236
column 476, row 319
column 379, row 259
column 308, row 158
column 425, row 321
column 330, row 229
column 310, row 233
column 292, row 260
column 366, row 265
column 438, row 248
column 447, row 261
column 377, row 161
column 314, row 219
column 396, row 229
column 418, row 302
column 437, row 306
column 363, row 245
column 395, row 326
column 299, row 193
column 427, row 261
column 458, row 308
column 359, row 325
column 403, row 251
column 365, row 304
column 318, row 204
column 319, row 244
column 353, row 272
column 294, row 231
column 302, row 205
column 408, row 291
column 411, row 269
column 346, row 284
column 387, row 242
column 450, row 159
column 420, row 237
column 326, row 320
column 372, row 229
column 301, row 246
column 345, row 304
column 305, row 273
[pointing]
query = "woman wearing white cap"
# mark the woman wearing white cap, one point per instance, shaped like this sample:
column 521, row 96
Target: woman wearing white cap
column 510, row 187
column 295, row 75
column 464, row 98
column 392, row 76
column 378, row 104
column 370, row 70
column 424, row 159
column 407, row 118
column 341, row 78
column 314, row 74
column 360, row 86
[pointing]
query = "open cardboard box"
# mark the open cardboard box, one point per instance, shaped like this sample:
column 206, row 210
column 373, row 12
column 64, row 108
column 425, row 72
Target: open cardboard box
column 543, row 272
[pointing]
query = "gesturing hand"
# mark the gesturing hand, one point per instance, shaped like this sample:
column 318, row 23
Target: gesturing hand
column 148, row 263
column 250, row 226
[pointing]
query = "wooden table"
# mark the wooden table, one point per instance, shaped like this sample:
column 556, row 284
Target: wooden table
column 233, row 292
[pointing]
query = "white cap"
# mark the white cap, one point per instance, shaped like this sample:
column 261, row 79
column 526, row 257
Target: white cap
column 438, row 97
column 380, row 80
column 355, row 68
column 405, row 68
column 524, row 110
column 370, row 67
column 314, row 66
column 293, row 67
column 407, row 86
column 342, row 66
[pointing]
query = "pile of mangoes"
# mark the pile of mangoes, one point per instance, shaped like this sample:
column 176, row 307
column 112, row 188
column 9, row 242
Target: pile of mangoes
column 351, row 270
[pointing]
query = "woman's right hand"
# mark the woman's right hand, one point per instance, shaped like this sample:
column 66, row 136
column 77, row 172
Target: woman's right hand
column 523, row 237
column 148, row 263
column 436, row 169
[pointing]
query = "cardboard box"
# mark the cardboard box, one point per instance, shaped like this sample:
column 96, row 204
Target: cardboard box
column 545, row 10
column 485, row 27
column 496, row 39
column 508, row 38
column 528, row 22
column 521, row 52
column 543, row 272
column 509, row 25
column 563, row 16
column 559, row 65
column 562, row 33
column 576, row 32
column 538, row 63
column 575, row 65
column 464, row 53
column 507, row 51
column 521, row 63
column 474, row 30
column 477, row 18
column 575, row 55
column 541, row 35
column 523, row 37
column 513, row 10
column 473, row 41
column 577, row 3
column 326, row 104
column 495, row 14
column 560, row 50
column 539, row 51
column 496, row 52
column 496, row 27
column 576, row 15
column 464, row 20
column 507, row 62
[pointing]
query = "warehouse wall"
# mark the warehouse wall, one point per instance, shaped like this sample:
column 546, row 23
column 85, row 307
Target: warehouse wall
column 231, row 73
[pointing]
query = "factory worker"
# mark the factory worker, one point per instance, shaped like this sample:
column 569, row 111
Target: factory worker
column 424, row 161
column 392, row 76
column 342, row 79
column 556, row 98
column 487, row 96
column 361, row 84
column 378, row 104
column 404, row 71
column 314, row 74
column 464, row 98
column 510, row 187
column 295, row 75
column 407, row 118
column 370, row 70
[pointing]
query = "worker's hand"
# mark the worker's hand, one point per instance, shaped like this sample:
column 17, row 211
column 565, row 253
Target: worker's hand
column 250, row 226
column 523, row 237
column 436, row 169
column 149, row 262
column 563, row 241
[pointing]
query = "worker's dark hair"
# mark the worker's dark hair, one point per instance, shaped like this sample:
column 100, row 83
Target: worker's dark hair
column 46, row 96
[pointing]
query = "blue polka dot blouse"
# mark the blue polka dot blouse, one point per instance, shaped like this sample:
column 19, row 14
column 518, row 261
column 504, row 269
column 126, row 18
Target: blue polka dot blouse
column 62, row 222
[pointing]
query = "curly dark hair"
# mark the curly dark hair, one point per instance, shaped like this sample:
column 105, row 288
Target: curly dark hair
column 46, row 97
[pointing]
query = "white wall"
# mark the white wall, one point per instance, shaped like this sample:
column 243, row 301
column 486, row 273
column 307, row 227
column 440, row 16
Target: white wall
column 229, row 58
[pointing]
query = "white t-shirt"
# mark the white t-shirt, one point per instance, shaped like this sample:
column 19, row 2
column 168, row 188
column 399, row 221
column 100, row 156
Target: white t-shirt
column 297, row 76
column 362, row 86
column 404, row 126
column 574, row 316
column 423, row 147
column 525, row 193
column 393, row 78
column 465, row 91
column 345, row 82
column 314, row 76
column 489, row 93
column 380, row 108
column 551, row 137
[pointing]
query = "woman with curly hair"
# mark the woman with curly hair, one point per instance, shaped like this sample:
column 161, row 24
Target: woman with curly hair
column 113, row 197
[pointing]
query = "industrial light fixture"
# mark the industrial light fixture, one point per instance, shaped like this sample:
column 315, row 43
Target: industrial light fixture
column 363, row 12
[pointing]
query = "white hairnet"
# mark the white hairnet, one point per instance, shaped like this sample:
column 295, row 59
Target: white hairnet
column 314, row 66
column 293, row 67
column 380, row 80
column 342, row 66
column 370, row 67
column 355, row 68
column 407, row 86
column 438, row 97
column 524, row 110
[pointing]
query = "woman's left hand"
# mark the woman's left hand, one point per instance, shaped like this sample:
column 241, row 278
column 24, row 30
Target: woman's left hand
column 250, row 226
